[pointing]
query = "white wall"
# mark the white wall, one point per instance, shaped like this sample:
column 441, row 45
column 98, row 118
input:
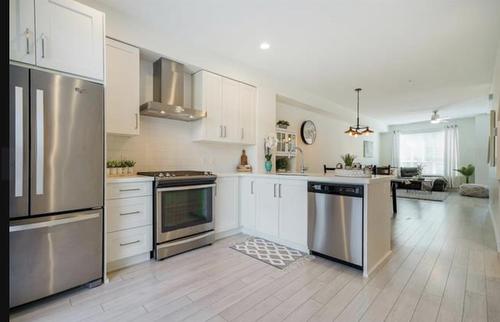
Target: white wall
column 166, row 144
column 473, row 142
column 331, row 141
column 129, row 30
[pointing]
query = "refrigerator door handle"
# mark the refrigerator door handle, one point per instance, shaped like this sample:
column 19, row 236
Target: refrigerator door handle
column 19, row 142
column 39, row 142
column 52, row 223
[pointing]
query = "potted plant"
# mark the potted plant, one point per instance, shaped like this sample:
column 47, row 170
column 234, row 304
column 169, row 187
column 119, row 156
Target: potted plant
column 109, row 165
column 348, row 160
column 112, row 165
column 119, row 167
column 130, row 166
column 467, row 171
column 269, row 145
column 282, row 124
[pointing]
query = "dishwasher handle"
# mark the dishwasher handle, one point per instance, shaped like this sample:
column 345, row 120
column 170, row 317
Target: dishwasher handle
column 336, row 189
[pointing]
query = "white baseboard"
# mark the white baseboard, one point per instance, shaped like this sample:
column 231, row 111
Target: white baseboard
column 129, row 261
column 224, row 234
column 497, row 233
column 367, row 273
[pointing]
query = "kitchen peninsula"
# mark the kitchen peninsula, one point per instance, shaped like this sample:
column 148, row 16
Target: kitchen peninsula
column 275, row 207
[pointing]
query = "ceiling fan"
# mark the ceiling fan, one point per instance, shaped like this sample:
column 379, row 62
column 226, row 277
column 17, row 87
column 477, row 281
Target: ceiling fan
column 436, row 119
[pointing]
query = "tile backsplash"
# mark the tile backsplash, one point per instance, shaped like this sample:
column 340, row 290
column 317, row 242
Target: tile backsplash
column 165, row 144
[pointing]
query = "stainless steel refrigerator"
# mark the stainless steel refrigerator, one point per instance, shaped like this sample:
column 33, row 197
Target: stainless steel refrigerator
column 56, row 183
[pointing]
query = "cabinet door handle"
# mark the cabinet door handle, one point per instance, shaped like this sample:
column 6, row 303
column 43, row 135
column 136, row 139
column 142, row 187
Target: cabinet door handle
column 27, row 35
column 136, row 121
column 129, row 213
column 225, row 131
column 251, row 187
column 221, row 131
column 279, row 187
column 130, row 243
column 274, row 190
column 242, row 133
column 131, row 189
column 43, row 45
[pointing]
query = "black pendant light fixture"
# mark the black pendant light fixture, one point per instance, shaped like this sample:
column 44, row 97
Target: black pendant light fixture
column 357, row 129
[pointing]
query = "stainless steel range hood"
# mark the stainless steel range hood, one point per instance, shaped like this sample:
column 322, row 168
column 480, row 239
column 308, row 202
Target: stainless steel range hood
column 168, row 93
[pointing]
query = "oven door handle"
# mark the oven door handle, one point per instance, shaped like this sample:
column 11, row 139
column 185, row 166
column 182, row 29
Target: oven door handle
column 186, row 187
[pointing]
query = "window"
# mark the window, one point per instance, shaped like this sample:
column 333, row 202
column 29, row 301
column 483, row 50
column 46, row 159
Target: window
column 426, row 149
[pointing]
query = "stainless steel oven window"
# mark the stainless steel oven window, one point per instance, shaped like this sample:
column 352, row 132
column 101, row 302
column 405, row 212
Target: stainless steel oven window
column 181, row 207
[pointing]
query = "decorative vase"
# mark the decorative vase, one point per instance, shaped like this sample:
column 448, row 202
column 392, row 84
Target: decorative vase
column 268, row 165
column 112, row 171
column 131, row 170
column 108, row 171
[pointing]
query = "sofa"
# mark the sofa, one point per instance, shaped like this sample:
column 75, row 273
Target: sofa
column 437, row 183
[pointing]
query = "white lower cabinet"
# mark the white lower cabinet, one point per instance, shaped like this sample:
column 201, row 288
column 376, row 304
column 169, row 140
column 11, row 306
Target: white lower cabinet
column 293, row 211
column 276, row 209
column 226, row 205
column 129, row 242
column 129, row 222
column 247, row 202
column 267, row 207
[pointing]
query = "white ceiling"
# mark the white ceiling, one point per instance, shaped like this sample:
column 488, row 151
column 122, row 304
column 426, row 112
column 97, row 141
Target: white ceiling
column 410, row 57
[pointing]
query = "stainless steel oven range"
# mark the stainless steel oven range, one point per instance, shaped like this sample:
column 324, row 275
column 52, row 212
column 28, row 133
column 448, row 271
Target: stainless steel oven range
column 184, row 211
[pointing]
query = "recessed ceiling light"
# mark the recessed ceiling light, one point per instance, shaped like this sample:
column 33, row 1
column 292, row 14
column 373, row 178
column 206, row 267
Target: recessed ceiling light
column 264, row 46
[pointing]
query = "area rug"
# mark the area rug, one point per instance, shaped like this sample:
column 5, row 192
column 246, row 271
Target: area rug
column 268, row 252
column 422, row 195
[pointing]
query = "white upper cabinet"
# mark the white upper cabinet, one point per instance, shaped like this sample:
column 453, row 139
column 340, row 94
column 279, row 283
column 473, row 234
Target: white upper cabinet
column 122, row 88
column 63, row 35
column 22, row 30
column 207, row 97
column 230, row 107
column 230, row 110
column 247, row 104
column 70, row 38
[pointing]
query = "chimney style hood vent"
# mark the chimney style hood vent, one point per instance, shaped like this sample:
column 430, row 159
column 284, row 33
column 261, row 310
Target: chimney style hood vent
column 168, row 93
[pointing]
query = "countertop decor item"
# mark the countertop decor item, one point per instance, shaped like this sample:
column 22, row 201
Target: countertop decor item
column 308, row 132
column 269, row 144
column 282, row 124
column 348, row 159
column 244, row 166
column 357, row 130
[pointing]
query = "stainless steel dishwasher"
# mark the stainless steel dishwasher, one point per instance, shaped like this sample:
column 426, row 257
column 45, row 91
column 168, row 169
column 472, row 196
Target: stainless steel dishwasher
column 335, row 222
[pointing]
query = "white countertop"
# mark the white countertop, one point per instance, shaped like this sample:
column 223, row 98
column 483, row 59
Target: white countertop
column 320, row 177
column 132, row 178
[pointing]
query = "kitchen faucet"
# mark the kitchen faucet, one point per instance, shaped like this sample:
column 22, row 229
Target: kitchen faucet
column 302, row 166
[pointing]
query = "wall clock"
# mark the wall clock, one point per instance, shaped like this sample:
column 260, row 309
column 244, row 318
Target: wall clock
column 308, row 132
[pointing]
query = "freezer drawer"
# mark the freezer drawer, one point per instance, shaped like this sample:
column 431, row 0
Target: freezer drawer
column 54, row 253
column 335, row 224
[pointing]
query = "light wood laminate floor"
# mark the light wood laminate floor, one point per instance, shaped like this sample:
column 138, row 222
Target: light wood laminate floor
column 444, row 267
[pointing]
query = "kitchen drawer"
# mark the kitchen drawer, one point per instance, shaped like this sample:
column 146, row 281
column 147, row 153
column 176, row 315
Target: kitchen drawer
column 128, row 189
column 130, row 242
column 128, row 213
